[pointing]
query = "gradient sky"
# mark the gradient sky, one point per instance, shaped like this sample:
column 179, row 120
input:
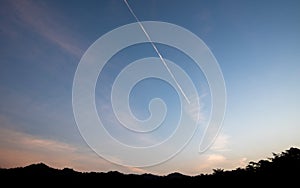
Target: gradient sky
column 256, row 43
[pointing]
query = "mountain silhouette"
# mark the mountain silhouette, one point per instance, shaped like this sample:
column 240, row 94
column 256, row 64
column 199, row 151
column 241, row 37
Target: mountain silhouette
column 281, row 168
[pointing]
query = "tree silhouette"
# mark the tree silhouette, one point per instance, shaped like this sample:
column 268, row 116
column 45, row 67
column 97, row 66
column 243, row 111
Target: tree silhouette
column 281, row 168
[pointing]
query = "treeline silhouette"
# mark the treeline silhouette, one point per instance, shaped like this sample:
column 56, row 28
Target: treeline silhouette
column 281, row 168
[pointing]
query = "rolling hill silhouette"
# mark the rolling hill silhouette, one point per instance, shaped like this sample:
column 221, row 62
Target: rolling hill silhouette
column 281, row 168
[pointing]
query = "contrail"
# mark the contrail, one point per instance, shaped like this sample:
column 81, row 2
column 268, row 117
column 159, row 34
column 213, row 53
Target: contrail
column 156, row 50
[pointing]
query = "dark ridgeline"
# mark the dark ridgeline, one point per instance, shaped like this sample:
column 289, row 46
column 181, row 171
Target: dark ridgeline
column 283, row 168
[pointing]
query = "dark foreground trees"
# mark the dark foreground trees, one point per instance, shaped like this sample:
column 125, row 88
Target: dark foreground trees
column 283, row 168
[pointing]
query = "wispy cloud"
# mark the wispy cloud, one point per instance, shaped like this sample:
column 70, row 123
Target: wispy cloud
column 216, row 158
column 221, row 143
column 207, row 162
column 194, row 110
column 211, row 161
column 243, row 162
column 19, row 149
column 138, row 170
column 46, row 22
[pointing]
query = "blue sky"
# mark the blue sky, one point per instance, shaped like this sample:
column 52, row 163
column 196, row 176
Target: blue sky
column 256, row 44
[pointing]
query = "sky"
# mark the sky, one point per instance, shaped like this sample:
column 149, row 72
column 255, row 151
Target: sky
column 256, row 44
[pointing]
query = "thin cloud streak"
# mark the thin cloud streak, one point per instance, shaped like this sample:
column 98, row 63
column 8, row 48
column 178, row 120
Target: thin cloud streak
column 19, row 149
column 221, row 143
column 40, row 19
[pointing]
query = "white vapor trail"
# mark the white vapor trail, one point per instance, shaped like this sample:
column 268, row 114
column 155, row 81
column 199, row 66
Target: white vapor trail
column 156, row 50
